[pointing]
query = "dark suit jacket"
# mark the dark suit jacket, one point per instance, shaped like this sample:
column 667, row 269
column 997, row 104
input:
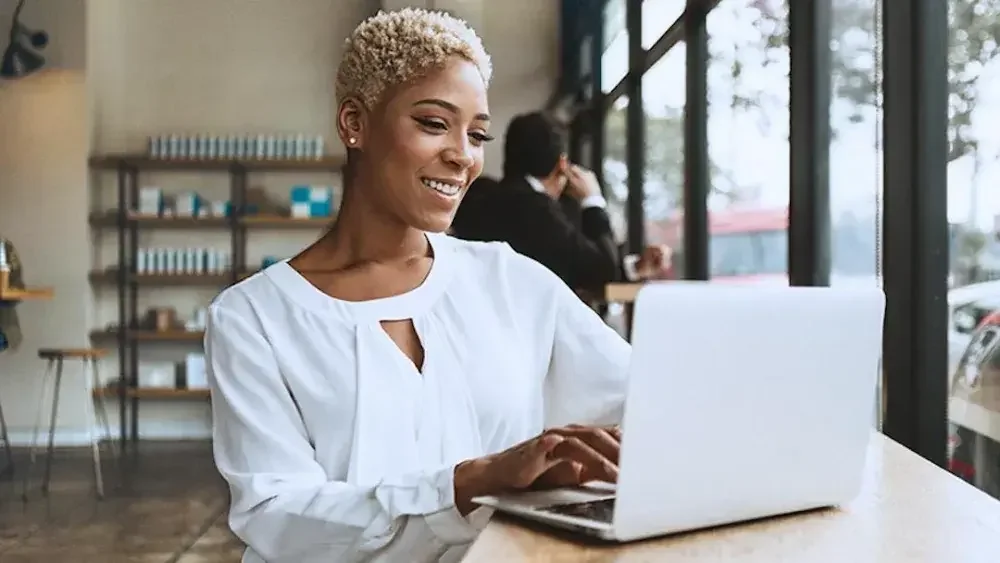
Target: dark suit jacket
column 581, row 249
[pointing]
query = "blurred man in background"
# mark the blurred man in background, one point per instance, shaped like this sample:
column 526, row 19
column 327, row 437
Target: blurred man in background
column 523, row 209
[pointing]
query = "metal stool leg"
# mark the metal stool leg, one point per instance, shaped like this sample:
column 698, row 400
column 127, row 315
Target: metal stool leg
column 102, row 412
column 7, row 469
column 52, row 425
column 98, row 411
column 39, row 415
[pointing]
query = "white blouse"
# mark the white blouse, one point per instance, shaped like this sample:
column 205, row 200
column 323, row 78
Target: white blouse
column 336, row 448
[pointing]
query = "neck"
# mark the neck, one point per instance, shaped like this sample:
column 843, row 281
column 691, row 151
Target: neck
column 364, row 234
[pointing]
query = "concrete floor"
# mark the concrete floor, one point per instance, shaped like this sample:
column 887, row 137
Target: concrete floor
column 168, row 506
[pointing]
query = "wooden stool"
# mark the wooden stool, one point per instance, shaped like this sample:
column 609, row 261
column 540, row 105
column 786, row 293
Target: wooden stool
column 55, row 358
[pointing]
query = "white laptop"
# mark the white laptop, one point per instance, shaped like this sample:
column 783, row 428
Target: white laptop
column 744, row 402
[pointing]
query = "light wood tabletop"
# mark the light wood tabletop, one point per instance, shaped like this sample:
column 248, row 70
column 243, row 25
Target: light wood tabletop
column 909, row 511
column 26, row 294
column 621, row 292
column 12, row 293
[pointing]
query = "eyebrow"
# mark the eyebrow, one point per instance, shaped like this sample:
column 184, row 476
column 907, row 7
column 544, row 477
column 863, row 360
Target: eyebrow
column 449, row 106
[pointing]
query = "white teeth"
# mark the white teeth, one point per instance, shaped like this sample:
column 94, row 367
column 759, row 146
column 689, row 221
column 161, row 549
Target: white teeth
column 441, row 187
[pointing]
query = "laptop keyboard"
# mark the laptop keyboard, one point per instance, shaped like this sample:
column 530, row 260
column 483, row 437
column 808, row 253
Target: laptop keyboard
column 597, row 510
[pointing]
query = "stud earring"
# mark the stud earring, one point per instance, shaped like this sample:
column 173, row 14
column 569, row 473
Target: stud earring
column 351, row 141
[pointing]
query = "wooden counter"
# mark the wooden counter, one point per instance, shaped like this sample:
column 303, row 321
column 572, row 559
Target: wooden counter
column 909, row 511
column 621, row 292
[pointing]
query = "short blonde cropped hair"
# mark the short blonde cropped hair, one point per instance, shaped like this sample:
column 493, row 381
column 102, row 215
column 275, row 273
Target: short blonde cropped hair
column 392, row 48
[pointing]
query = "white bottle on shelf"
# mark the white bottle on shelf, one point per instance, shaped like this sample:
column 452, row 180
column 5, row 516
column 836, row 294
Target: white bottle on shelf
column 211, row 262
column 170, row 265
column 141, row 257
column 318, row 148
column 200, row 256
column 174, row 147
column 300, row 146
column 261, row 152
column 159, row 261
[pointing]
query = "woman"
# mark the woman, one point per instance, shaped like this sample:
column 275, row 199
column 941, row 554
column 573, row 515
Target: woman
column 367, row 389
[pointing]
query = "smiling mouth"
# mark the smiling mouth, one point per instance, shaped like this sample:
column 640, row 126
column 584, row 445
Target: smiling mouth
column 443, row 188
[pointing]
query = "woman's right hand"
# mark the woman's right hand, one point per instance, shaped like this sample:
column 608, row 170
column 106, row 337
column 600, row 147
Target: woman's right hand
column 558, row 457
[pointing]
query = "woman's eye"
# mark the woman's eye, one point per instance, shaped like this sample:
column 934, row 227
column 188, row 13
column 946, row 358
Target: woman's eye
column 432, row 124
column 478, row 137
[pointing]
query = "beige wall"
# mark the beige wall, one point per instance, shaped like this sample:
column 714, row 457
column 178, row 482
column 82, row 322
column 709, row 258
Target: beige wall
column 224, row 66
column 43, row 183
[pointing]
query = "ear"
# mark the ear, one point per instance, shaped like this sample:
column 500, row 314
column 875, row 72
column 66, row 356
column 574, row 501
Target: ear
column 563, row 165
column 352, row 123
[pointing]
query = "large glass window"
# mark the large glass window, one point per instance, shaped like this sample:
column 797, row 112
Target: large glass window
column 657, row 17
column 663, row 106
column 616, row 191
column 614, row 167
column 973, row 212
column 748, row 253
column 855, row 146
column 748, row 139
column 663, row 100
column 614, row 58
column 855, row 149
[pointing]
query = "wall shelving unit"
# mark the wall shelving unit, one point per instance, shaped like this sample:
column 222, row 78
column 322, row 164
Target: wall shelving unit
column 127, row 223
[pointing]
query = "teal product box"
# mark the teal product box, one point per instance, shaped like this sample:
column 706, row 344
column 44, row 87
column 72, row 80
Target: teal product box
column 311, row 201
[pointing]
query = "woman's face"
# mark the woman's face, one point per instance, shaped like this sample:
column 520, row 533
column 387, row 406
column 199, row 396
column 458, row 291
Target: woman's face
column 422, row 146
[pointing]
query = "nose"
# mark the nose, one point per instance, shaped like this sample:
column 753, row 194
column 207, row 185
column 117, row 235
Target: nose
column 460, row 155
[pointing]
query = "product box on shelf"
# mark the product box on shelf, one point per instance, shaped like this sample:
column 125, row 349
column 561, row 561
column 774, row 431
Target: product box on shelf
column 150, row 201
column 311, row 201
column 157, row 375
column 194, row 371
column 154, row 202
